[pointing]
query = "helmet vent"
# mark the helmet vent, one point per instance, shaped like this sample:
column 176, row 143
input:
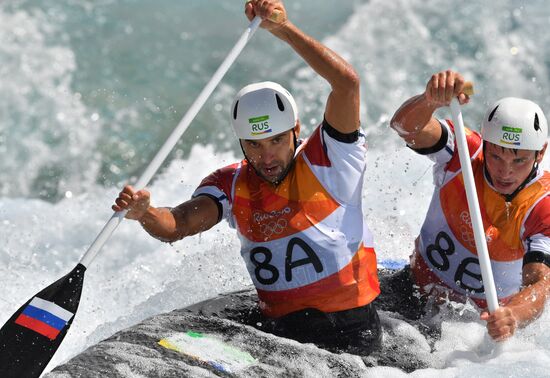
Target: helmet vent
column 537, row 126
column 280, row 102
column 493, row 113
column 235, row 110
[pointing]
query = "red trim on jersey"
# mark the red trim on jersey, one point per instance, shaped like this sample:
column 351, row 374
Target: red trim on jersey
column 316, row 151
column 222, row 179
column 538, row 221
column 474, row 142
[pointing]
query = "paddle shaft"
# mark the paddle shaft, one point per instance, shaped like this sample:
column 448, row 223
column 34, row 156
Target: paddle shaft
column 176, row 134
column 473, row 206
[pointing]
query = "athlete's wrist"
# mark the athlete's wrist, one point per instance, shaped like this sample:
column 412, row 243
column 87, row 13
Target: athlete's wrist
column 147, row 216
column 284, row 30
column 429, row 103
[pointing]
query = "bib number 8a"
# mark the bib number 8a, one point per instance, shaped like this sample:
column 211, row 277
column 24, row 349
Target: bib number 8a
column 263, row 264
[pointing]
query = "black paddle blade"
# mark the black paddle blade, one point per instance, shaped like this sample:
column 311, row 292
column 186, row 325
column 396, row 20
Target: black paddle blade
column 31, row 337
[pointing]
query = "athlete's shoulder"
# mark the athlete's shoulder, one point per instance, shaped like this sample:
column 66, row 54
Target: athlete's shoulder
column 474, row 141
column 472, row 137
column 315, row 149
column 326, row 143
column 538, row 220
column 222, row 177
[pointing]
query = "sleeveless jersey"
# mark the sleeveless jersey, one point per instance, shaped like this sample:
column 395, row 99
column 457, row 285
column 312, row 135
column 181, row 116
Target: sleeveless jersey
column 445, row 252
column 304, row 241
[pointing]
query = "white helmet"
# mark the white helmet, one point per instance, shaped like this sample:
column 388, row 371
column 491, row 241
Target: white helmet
column 262, row 110
column 515, row 123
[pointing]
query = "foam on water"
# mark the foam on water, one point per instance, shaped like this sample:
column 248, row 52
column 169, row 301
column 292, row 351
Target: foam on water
column 49, row 84
column 42, row 149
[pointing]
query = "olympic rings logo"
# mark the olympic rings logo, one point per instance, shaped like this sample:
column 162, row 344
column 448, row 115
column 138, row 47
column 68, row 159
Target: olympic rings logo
column 465, row 217
column 466, row 229
column 467, row 236
column 274, row 228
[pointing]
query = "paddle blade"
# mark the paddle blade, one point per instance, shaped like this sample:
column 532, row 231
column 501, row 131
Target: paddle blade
column 31, row 337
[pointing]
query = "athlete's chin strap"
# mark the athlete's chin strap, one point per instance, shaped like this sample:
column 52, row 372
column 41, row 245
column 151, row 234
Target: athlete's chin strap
column 531, row 176
column 295, row 140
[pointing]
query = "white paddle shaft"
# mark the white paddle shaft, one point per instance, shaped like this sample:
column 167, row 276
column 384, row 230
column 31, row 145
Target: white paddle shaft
column 473, row 206
column 165, row 150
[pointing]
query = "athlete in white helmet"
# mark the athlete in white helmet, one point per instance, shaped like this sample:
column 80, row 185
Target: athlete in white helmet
column 296, row 205
column 514, row 203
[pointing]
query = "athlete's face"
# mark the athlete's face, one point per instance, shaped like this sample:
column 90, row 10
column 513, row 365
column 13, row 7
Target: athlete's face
column 272, row 156
column 507, row 168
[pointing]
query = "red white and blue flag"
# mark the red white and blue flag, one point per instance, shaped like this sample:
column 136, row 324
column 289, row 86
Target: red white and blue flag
column 44, row 317
column 32, row 335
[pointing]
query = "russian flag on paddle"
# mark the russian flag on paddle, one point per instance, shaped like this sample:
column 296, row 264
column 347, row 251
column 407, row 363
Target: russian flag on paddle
column 33, row 334
column 44, row 317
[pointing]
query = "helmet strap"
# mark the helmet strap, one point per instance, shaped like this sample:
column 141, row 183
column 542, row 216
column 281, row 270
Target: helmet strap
column 285, row 173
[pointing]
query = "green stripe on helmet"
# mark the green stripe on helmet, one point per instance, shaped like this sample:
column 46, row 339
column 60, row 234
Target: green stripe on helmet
column 512, row 129
column 258, row 119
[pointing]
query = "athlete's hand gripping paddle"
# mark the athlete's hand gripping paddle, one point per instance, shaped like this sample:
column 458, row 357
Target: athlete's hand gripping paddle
column 30, row 338
column 473, row 204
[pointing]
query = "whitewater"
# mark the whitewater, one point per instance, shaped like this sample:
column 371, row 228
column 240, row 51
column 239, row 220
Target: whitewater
column 89, row 90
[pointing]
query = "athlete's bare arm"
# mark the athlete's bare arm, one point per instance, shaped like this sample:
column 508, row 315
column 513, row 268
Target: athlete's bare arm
column 342, row 109
column 414, row 121
column 524, row 307
column 168, row 224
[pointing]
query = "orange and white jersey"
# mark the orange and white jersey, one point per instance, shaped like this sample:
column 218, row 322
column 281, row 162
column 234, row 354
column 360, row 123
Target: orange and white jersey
column 517, row 232
column 304, row 241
